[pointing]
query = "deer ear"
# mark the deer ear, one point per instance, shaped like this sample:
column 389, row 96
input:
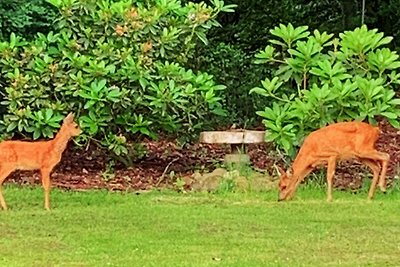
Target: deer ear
column 289, row 171
column 69, row 118
column 280, row 171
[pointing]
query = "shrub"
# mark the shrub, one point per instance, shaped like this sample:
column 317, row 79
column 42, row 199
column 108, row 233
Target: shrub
column 119, row 65
column 318, row 79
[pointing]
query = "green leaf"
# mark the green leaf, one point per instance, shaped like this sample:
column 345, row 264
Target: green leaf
column 267, row 54
column 40, row 115
column 12, row 126
column 260, row 91
column 114, row 93
column 389, row 115
column 36, row 134
column 288, row 127
column 145, row 131
column 83, row 94
column 277, row 42
column 268, row 113
column 47, row 132
column 219, row 87
column 89, row 104
column 48, row 114
column 395, row 101
column 286, row 144
column 54, row 124
column 219, row 112
column 143, row 82
column 202, row 37
column 228, row 8
column 102, row 83
column 394, row 123
column 209, row 94
column 272, row 126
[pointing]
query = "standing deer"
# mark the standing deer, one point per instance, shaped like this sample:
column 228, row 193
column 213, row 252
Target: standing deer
column 40, row 155
column 339, row 141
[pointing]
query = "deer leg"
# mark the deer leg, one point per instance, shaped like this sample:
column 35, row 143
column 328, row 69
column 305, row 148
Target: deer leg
column 4, row 172
column 329, row 176
column 382, row 178
column 375, row 169
column 46, row 186
column 384, row 159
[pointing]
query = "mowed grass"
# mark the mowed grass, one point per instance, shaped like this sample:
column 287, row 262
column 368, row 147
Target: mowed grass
column 170, row 229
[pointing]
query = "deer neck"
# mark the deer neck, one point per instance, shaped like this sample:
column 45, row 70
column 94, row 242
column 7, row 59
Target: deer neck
column 59, row 143
column 301, row 167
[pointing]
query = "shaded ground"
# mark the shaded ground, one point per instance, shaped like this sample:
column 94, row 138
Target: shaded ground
column 163, row 162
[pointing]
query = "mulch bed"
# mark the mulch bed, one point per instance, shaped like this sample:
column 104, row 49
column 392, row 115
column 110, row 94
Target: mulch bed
column 165, row 161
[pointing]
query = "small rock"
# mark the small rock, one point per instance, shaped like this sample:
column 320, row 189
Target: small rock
column 242, row 184
column 208, row 181
column 189, row 180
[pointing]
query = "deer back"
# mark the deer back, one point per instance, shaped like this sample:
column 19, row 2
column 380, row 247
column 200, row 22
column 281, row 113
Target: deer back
column 343, row 139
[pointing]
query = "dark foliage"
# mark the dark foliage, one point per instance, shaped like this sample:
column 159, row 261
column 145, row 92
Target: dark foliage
column 25, row 17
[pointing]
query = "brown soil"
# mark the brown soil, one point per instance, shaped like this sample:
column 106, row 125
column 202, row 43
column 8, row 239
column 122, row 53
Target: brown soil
column 164, row 161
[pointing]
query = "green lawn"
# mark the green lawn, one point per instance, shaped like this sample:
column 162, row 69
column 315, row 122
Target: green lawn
column 171, row 229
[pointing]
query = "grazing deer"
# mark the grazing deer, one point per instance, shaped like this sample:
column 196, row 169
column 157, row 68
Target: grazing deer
column 339, row 141
column 40, row 155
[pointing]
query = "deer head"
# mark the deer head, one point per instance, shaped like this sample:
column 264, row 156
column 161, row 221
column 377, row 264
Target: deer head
column 287, row 184
column 71, row 126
